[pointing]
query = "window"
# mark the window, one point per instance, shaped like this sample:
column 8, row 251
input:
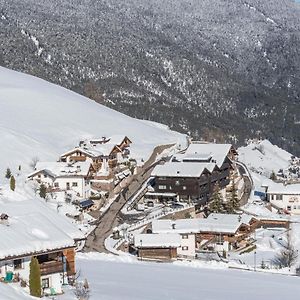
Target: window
column 295, row 207
column 278, row 197
column 177, row 182
column 39, row 176
column 185, row 248
column 289, row 208
column 184, row 187
column 56, row 184
column 74, row 184
column 162, row 178
column 17, row 264
column 185, row 236
column 162, row 187
column 45, row 283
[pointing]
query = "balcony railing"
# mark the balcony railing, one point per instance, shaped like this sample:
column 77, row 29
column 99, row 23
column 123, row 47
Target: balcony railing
column 51, row 267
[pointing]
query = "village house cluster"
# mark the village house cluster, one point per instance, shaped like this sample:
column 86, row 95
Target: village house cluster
column 92, row 169
column 168, row 239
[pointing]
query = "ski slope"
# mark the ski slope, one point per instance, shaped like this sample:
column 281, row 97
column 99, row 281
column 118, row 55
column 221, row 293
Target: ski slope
column 43, row 120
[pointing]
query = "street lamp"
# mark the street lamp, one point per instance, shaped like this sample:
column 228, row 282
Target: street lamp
column 141, row 241
column 254, row 261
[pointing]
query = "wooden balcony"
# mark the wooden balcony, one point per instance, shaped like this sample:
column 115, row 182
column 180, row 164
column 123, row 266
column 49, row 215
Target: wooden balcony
column 77, row 158
column 50, row 267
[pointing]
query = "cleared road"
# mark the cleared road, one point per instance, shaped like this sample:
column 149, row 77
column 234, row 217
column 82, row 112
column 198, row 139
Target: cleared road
column 109, row 220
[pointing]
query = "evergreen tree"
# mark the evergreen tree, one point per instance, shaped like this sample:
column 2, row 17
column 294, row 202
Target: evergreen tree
column 216, row 203
column 43, row 191
column 35, row 278
column 12, row 183
column 8, row 173
column 273, row 176
column 233, row 201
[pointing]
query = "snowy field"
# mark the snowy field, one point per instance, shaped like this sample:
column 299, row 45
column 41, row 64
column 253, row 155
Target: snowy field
column 121, row 279
column 43, row 120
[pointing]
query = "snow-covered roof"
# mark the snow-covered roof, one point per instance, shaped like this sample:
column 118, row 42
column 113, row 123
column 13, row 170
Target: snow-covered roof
column 87, row 151
column 93, row 150
column 279, row 188
column 161, row 240
column 32, row 228
column 181, row 169
column 62, row 169
column 117, row 139
column 231, row 218
column 217, row 152
column 218, row 223
column 272, row 217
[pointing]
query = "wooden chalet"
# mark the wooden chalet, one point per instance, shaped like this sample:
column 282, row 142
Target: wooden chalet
column 157, row 246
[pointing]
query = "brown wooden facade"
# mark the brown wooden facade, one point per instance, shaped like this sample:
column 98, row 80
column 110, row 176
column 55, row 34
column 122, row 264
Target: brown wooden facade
column 198, row 189
column 53, row 262
column 157, row 253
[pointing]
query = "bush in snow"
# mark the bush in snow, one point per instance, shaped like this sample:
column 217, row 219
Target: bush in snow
column 12, row 183
column 8, row 173
column 82, row 290
column 43, row 191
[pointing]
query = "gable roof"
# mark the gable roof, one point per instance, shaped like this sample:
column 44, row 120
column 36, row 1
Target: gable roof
column 217, row 152
column 280, row 188
column 163, row 240
column 218, row 223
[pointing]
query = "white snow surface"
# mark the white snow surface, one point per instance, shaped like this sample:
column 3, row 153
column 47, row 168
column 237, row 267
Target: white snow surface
column 263, row 157
column 43, row 120
column 32, row 226
column 11, row 292
column 113, row 278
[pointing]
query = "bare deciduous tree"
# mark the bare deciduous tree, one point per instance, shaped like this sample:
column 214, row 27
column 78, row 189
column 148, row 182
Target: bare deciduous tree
column 288, row 256
column 33, row 162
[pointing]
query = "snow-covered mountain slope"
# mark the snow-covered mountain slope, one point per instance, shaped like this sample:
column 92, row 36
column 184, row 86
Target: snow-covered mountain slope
column 39, row 119
column 262, row 157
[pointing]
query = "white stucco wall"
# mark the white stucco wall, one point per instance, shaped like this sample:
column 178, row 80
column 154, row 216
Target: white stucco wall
column 289, row 202
column 55, row 280
column 82, row 188
column 187, row 240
